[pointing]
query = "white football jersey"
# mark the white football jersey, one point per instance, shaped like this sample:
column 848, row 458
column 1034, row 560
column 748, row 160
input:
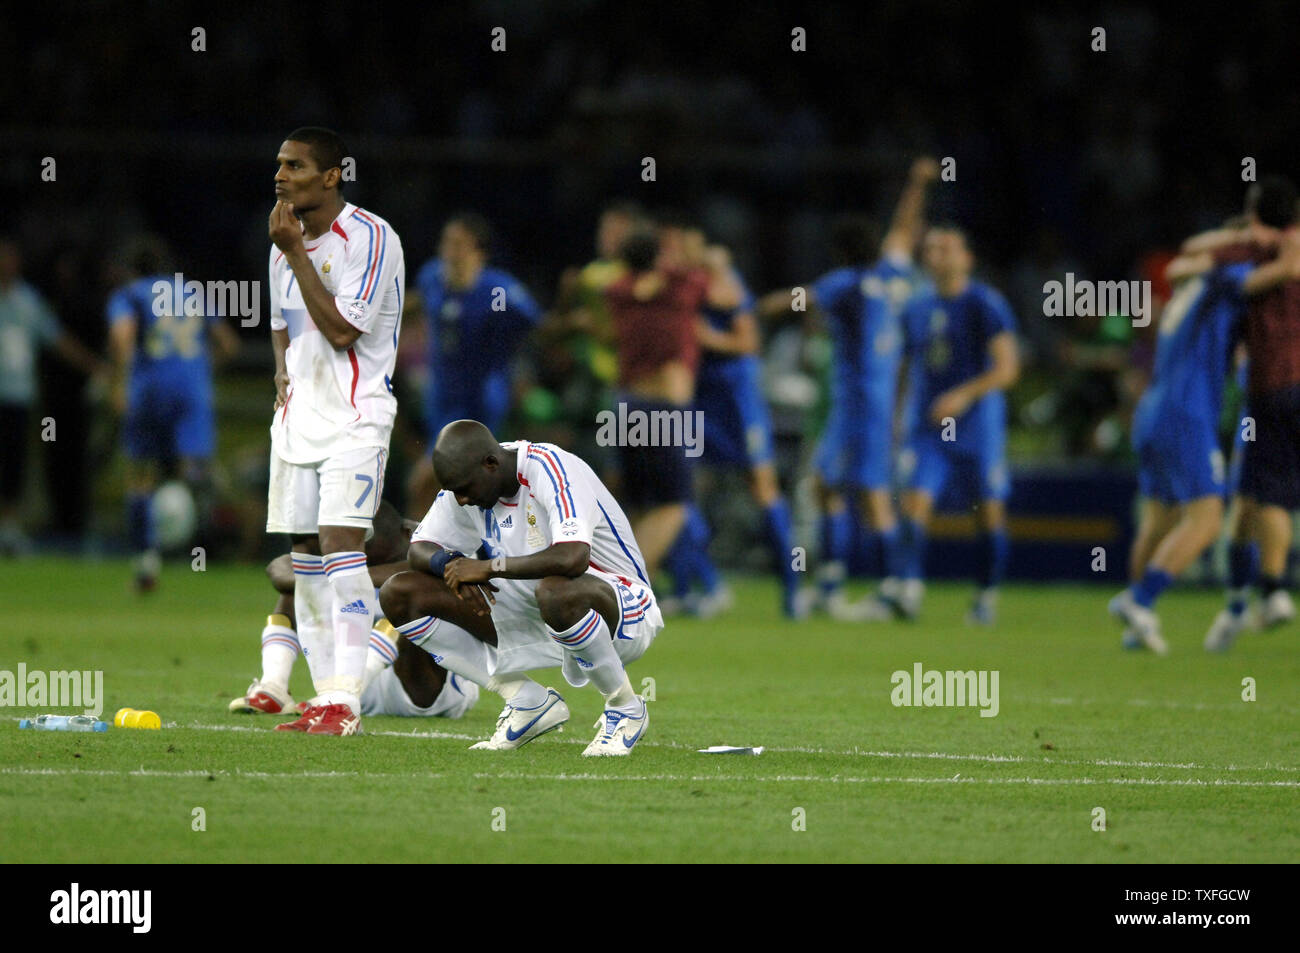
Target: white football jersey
column 340, row 400
column 560, row 500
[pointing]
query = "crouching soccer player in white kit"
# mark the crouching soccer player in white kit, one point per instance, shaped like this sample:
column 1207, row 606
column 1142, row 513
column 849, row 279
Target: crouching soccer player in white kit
column 337, row 278
column 565, row 573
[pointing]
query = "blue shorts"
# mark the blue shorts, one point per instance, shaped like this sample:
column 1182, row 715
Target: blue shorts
column 164, row 421
column 1178, row 464
column 737, row 428
column 928, row 462
column 855, row 449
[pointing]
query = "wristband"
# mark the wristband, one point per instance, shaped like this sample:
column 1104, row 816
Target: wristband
column 438, row 561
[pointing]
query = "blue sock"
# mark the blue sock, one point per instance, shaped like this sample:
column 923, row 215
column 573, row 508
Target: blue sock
column 1154, row 582
column 678, row 562
column 891, row 553
column 993, row 558
column 700, row 535
column 688, row 559
column 780, row 537
column 139, row 522
column 911, row 546
column 837, row 538
column 1243, row 571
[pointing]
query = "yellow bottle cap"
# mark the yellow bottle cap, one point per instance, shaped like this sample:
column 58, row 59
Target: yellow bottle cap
column 120, row 718
column 148, row 719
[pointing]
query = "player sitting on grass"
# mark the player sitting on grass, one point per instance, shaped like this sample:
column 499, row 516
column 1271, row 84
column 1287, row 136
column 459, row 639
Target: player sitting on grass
column 557, row 567
column 400, row 679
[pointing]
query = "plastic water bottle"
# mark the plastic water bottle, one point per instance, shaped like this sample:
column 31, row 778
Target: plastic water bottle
column 63, row 723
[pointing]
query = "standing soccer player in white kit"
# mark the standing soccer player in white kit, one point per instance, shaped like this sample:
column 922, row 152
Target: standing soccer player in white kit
column 337, row 280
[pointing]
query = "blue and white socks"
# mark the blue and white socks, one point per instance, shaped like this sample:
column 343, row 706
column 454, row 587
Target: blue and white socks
column 312, row 601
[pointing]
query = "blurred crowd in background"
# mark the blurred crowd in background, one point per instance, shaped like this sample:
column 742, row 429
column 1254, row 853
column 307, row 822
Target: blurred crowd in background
column 1068, row 158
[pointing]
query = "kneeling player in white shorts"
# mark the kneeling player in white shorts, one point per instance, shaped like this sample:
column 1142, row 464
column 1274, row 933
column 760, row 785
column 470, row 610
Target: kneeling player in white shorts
column 399, row 678
column 559, row 580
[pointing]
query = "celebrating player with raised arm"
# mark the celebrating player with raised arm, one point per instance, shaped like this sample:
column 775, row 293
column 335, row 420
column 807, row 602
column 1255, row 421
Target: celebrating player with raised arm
column 860, row 300
column 337, row 279
column 528, row 535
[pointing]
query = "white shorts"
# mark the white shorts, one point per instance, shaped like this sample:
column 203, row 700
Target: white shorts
column 524, row 643
column 386, row 696
column 341, row 491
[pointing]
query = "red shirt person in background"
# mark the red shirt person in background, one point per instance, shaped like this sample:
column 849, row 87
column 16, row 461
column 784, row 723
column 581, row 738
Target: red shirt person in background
column 655, row 309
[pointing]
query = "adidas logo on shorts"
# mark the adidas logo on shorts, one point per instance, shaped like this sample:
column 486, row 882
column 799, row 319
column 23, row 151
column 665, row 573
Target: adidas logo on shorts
column 356, row 606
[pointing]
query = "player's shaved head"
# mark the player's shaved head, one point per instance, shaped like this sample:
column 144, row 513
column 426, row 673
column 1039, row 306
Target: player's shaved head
column 468, row 461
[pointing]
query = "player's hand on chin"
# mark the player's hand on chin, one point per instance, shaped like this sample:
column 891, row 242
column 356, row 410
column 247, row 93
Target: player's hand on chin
column 284, row 228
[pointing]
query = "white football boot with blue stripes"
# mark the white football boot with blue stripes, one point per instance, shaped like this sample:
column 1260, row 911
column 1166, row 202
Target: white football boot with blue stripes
column 518, row 726
column 617, row 732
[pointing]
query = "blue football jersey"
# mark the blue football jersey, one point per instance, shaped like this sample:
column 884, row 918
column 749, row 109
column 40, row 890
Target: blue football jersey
column 947, row 342
column 726, row 366
column 475, row 332
column 1198, row 330
column 861, row 306
column 171, row 328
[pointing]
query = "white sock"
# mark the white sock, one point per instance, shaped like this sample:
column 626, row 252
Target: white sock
column 280, row 650
column 353, row 608
column 517, row 690
column 312, row 601
column 457, row 651
column 587, row 643
column 383, row 651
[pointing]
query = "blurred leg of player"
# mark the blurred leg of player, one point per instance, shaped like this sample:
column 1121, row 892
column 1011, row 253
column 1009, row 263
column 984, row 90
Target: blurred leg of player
column 688, row 561
column 1181, row 479
column 141, row 481
column 853, row 469
column 1193, row 526
column 738, row 434
column 434, row 619
column 779, row 529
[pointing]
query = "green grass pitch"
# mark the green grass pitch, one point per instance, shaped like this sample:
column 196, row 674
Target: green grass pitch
column 1185, row 769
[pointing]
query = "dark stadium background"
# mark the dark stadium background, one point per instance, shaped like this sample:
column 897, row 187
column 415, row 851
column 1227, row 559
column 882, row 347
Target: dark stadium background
column 1068, row 160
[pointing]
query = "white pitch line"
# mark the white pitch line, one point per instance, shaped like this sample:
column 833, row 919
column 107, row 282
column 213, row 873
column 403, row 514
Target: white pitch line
column 855, row 752
column 694, row 779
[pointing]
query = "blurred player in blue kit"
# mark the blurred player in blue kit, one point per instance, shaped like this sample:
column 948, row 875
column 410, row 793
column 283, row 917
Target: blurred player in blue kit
column 160, row 335
column 737, row 426
column 478, row 317
column 860, row 301
column 961, row 354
